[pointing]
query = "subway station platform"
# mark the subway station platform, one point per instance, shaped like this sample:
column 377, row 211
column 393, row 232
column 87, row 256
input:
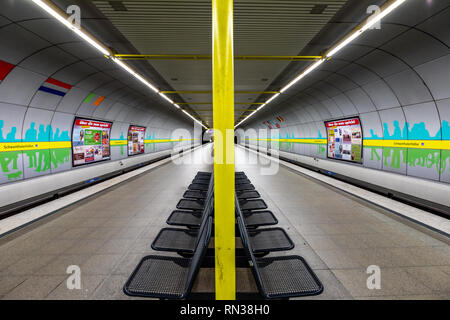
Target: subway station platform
column 338, row 234
column 235, row 157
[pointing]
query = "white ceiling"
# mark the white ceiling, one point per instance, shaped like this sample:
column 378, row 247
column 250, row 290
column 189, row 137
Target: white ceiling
column 261, row 27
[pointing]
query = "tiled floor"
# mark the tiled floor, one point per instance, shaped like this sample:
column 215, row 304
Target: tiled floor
column 338, row 235
column 105, row 235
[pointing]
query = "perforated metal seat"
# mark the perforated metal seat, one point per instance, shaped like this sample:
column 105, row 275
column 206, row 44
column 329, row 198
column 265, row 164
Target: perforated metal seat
column 255, row 204
column 288, row 276
column 195, row 194
column 252, row 194
column 201, row 181
column 185, row 218
column 189, row 204
column 268, row 240
column 208, row 174
column 241, row 181
column 164, row 277
column 198, row 209
column 244, row 187
column 278, row 277
column 168, row 277
column 177, row 240
column 198, row 186
column 260, row 218
column 198, row 204
column 182, row 240
column 204, row 173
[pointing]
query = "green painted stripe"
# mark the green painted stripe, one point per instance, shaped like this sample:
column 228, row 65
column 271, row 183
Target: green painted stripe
column 89, row 98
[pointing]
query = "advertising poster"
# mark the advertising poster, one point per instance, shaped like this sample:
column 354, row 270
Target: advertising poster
column 90, row 141
column 345, row 139
column 136, row 143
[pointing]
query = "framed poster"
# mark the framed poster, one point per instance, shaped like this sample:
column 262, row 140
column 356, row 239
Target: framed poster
column 344, row 139
column 90, row 141
column 136, row 143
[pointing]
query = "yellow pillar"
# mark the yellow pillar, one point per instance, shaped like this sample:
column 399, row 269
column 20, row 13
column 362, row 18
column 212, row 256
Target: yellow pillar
column 223, row 117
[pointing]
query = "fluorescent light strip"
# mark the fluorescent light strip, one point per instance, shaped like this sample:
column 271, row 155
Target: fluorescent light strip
column 105, row 51
column 369, row 22
column 167, row 98
column 302, row 75
column 272, row 98
column 189, row 115
column 344, row 43
column 135, row 74
column 248, row 117
column 69, row 25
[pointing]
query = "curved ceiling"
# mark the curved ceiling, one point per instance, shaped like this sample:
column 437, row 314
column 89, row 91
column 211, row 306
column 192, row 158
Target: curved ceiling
column 261, row 27
column 396, row 79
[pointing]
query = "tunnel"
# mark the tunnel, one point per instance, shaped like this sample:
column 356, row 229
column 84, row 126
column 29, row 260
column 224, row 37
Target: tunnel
column 267, row 150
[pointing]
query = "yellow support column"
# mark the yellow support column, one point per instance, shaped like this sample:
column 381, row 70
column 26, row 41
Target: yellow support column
column 223, row 116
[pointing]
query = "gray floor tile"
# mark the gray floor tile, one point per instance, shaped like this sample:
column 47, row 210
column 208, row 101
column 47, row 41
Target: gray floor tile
column 88, row 285
column 35, row 287
column 9, row 282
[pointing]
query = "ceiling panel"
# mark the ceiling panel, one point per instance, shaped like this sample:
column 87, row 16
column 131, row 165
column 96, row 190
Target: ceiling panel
column 261, row 27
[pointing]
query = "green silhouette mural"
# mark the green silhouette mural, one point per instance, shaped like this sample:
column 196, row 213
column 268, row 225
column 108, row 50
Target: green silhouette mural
column 36, row 160
column 434, row 159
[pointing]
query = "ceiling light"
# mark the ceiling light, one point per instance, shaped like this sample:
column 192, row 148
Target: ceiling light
column 189, row 115
column 366, row 25
column 134, row 73
column 167, row 98
column 369, row 22
column 61, row 16
column 302, row 75
column 53, row 11
column 272, row 98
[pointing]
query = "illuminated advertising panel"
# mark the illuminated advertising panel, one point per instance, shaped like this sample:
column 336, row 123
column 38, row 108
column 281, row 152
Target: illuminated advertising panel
column 136, row 143
column 345, row 139
column 90, row 141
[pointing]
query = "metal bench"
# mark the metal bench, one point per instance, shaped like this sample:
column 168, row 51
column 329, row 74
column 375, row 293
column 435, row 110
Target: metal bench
column 242, row 181
column 204, row 175
column 198, row 194
column 238, row 187
column 199, row 204
column 244, row 187
column 198, row 186
column 182, row 241
column 247, row 194
column 168, row 277
column 202, row 180
column 268, row 239
column 184, row 218
column 279, row 277
column 194, row 194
